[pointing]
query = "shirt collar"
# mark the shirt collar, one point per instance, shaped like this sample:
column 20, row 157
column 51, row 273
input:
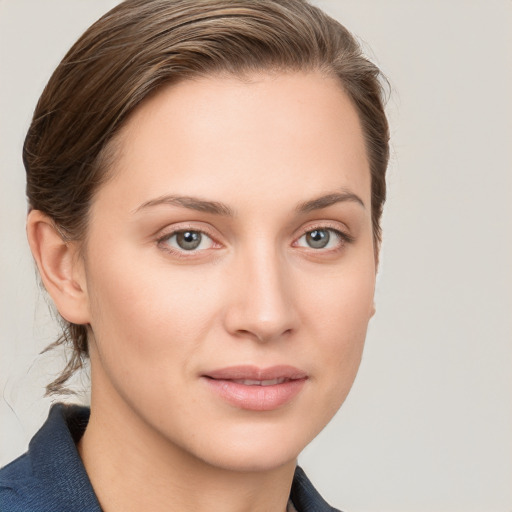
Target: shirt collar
column 56, row 462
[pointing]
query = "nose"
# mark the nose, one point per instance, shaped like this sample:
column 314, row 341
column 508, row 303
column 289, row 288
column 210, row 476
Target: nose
column 262, row 303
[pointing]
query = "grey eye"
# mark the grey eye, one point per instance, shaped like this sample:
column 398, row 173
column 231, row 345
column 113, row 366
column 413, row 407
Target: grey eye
column 188, row 240
column 322, row 238
column 318, row 238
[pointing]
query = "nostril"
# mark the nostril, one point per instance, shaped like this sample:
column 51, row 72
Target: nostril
column 264, row 334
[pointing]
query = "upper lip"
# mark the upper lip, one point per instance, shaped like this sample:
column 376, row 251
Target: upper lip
column 250, row 372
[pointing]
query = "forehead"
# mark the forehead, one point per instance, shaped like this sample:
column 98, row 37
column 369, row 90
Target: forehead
column 266, row 133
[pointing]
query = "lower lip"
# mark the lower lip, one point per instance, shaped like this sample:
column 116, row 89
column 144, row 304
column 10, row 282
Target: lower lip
column 256, row 398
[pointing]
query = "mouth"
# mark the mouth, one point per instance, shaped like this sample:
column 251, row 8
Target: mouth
column 256, row 389
column 269, row 382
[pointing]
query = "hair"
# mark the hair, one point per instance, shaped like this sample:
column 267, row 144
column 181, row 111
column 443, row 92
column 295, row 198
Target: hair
column 140, row 46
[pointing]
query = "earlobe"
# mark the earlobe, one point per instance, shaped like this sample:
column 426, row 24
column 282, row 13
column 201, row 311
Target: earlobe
column 60, row 267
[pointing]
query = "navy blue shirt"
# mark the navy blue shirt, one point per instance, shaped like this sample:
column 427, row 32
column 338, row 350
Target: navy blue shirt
column 50, row 477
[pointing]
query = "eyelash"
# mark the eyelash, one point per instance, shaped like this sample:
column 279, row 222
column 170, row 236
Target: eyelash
column 343, row 238
column 161, row 241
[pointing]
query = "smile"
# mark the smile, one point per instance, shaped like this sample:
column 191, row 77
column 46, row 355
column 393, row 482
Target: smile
column 255, row 389
column 269, row 382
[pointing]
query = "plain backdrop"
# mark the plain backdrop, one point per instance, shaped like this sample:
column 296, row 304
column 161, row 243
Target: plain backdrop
column 428, row 424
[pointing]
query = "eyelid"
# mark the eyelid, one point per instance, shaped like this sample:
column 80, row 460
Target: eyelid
column 327, row 225
column 169, row 231
column 174, row 229
column 343, row 239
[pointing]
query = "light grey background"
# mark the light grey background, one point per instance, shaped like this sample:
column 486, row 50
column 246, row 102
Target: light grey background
column 428, row 425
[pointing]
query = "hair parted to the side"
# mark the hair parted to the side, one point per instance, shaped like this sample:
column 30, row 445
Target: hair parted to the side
column 139, row 46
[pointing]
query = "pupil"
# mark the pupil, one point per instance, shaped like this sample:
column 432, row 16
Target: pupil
column 188, row 240
column 318, row 238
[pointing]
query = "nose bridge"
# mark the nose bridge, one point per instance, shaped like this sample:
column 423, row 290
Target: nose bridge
column 262, row 305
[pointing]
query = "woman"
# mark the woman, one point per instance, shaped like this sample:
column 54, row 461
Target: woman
column 206, row 181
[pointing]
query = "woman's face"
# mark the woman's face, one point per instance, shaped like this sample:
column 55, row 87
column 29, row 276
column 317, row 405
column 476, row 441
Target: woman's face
column 230, row 266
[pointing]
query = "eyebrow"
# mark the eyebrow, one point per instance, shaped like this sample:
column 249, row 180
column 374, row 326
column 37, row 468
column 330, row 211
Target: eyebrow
column 218, row 208
column 192, row 203
column 329, row 200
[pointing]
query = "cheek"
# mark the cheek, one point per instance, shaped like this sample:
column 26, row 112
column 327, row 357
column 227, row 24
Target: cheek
column 336, row 314
column 148, row 311
column 341, row 302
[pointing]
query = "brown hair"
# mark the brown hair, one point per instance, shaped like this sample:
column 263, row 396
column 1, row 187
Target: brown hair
column 141, row 45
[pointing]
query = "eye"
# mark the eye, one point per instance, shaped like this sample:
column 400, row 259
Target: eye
column 187, row 240
column 321, row 238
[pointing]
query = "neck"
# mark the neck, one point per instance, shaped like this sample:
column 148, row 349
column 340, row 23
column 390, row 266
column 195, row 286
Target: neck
column 132, row 467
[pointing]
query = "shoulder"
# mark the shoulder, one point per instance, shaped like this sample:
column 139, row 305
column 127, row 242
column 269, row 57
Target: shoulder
column 20, row 489
column 19, row 468
column 50, row 476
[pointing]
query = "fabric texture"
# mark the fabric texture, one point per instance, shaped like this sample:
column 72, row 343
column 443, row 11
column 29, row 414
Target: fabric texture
column 50, row 477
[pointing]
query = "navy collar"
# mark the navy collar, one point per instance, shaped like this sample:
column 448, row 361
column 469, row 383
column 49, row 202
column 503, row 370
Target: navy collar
column 52, row 474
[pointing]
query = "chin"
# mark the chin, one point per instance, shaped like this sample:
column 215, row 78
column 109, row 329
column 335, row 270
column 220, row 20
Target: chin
column 255, row 448
column 251, row 458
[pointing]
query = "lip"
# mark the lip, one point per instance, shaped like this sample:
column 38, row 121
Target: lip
column 266, row 396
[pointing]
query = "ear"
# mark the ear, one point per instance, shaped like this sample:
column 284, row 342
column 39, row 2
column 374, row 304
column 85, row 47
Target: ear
column 60, row 266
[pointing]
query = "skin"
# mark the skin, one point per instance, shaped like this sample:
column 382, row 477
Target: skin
column 254, row 292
